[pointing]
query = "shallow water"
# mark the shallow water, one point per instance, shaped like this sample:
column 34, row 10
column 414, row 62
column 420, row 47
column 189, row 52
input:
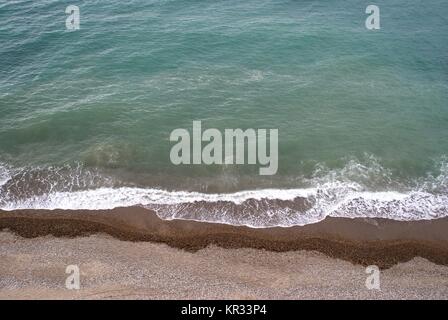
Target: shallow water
column 85, row 116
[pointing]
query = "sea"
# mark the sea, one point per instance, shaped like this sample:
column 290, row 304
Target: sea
column 362, row 114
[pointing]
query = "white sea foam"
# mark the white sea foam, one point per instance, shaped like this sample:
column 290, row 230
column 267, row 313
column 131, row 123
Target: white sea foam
column 5, row 174
column 335, row 193
column 262, row 211
column 109, row 198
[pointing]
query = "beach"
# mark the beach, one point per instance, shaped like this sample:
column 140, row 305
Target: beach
column 232, row 149
column 144, row 257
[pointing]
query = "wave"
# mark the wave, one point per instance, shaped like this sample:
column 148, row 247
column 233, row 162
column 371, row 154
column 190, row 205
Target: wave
column 335, row 193
column 257, row 208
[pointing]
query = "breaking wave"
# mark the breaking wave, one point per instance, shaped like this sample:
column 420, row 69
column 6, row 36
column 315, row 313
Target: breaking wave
column 346, row 192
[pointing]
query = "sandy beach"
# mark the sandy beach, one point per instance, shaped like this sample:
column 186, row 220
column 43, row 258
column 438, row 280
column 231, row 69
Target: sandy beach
column 131, row 253
column 249, row 149
column 114, row 269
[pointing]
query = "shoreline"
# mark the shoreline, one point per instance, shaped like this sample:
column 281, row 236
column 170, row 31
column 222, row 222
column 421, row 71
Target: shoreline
column 380, row 242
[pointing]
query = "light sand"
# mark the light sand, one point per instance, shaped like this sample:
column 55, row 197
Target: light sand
column 116, row 269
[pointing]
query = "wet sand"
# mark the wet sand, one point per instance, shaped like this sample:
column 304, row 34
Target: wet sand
column 131, row 253
column 361, row 241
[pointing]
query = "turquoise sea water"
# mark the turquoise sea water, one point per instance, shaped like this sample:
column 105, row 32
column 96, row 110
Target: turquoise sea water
column 85, row 116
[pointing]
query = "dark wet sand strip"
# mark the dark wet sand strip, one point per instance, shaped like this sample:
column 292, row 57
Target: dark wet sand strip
column 361, row 241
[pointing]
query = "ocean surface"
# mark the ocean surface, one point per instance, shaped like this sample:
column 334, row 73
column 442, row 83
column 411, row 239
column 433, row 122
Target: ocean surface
column 85, row 116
